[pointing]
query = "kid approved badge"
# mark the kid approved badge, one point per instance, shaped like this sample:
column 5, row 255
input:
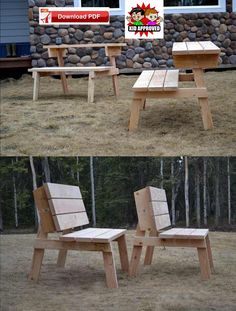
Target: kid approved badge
column 144, row 20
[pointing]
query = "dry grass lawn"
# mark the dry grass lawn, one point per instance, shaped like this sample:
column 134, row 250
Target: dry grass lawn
column 171, row 283
column 67, row 125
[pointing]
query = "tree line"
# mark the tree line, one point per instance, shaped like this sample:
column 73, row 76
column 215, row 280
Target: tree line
column 200, row 190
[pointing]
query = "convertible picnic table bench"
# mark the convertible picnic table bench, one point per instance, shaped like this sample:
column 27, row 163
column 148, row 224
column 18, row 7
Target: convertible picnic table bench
column 61, row 209
column 165, row 83
column 60, row 51
column 153, row 217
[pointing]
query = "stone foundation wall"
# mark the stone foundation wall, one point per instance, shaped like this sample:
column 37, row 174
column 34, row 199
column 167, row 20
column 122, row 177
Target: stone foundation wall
column 220, row 28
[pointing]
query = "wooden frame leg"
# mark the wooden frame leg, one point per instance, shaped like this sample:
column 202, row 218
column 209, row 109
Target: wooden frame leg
column 203, row 102
column 204, row 263
column 135, row 260
column 206, row 113
column 135, row 113
column 209, row 252
column 149, row 252
column 63, row 76
column 61, row 259
column 144, row 104
column 36, row 77
column 91, row 87
column 36, row 264
column 115, row 85
column 110, row 270
column 124, row 260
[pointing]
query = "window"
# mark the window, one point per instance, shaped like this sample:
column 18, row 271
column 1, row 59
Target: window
column 194, row 6
column 117, row 6
column 234, row 6
column 100, row 3
column 171, row 6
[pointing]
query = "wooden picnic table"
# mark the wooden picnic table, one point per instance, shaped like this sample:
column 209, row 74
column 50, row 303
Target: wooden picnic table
column 111, row 49
column 197, row 56
column 164, row 83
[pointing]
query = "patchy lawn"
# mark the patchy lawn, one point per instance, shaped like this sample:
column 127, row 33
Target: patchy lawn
column 172, row 282
column 67, row 125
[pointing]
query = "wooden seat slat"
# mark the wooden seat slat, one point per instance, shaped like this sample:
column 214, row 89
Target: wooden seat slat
column 162, row 221
column 183, row 233
column 110, row 235
column 179, row 48
column 199, row 233
column 159, row 208
column 143, row 81
column 209, row 47
column 194, row 47
column 170, row 233
column 62, row 191
column 69, row 69
column 66, row 206
column 157, row 194
column 68, row 221
column 87, row 45
column 157, row 80
column 96, row 235
column 171, row 80
column 87, row 235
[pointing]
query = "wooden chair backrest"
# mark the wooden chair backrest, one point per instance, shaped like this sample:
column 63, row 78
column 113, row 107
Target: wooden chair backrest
column 152, row 209
column 64, row 207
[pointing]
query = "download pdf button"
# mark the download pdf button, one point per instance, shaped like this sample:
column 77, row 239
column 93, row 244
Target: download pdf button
column 56, row 16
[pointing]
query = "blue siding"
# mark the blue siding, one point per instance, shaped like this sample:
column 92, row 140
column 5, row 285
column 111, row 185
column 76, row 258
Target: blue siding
column 14, row 23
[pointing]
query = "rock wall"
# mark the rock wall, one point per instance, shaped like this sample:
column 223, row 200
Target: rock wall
column 220, row 28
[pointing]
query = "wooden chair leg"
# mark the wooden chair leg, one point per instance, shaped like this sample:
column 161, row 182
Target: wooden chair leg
column 135, row 112
column 149, row 252
column 124, row 260
column 91, row 87
column 61, row 259
column 204, row 263
column 36, row 78
column 36, row 264
column 135, row 260
column 110, row 270
column 209, row 252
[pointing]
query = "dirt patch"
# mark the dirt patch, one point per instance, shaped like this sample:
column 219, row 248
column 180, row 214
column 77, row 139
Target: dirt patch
column 172, row 282
column 67, row 125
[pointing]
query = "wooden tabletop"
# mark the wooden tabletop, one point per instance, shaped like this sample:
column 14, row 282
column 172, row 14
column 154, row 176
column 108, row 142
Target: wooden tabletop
column 88, row 45
column 190, row 48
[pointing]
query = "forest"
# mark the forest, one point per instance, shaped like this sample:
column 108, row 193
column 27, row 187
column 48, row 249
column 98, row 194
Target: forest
column 200, row 190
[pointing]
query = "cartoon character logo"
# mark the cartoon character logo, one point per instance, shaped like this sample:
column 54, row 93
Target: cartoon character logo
column 144, row 19
column 136, row 15
column 152, row 16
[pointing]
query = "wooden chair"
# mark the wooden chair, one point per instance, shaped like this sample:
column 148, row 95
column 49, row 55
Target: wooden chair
column 61, row 209
column 153, row 216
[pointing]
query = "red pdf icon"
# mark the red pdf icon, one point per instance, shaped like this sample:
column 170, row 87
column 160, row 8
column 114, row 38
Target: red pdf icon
column 72, row 16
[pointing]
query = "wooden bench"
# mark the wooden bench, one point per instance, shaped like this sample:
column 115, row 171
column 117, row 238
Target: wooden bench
column 165, row 84
column 93, row 73
column 153, row 217
column 61, row 209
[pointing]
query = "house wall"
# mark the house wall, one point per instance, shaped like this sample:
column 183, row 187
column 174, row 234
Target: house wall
column 217, row 27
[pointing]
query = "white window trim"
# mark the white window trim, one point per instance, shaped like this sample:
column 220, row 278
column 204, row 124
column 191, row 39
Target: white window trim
column 118, row 11
column 234, row 5
column 174, row 9
column 221, row 7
